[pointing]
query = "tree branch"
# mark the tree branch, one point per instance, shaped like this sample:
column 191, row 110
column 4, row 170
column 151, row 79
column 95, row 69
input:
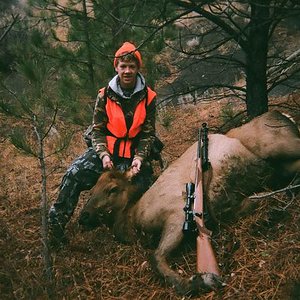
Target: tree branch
column 236, row 35
column 265, row 195
column 15, row 19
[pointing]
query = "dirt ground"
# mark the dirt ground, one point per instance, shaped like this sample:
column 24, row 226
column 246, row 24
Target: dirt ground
column 259, row 256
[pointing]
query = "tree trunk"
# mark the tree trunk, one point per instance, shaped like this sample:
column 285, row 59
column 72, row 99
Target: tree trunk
column 90, row 62
column 44, row 213
column 256, row 66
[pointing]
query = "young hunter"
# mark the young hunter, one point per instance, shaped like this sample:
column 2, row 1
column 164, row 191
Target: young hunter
column 123, row 132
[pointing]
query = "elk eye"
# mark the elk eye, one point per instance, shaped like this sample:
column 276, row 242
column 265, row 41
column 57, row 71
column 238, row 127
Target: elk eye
column 113, row 190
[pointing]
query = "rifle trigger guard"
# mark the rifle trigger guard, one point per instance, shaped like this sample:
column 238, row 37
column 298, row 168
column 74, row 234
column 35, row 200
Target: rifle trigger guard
column 199, row 215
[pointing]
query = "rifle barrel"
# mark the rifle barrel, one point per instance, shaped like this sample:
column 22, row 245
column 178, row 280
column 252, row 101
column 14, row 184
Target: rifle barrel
column 206, row 259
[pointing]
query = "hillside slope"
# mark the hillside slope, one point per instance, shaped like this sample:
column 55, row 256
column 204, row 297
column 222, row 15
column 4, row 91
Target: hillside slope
column 259, row 256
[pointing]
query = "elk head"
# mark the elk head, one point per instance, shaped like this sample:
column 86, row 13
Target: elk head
column 109, row 196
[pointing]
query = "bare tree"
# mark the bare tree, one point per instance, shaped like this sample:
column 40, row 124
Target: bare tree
column 34, row 104
column 247, row 28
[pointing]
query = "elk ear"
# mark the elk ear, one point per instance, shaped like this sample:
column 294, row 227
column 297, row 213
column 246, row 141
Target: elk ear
column 129, row 174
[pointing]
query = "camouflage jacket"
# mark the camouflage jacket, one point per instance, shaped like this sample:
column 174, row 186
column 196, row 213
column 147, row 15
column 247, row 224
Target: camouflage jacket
column 145, row 138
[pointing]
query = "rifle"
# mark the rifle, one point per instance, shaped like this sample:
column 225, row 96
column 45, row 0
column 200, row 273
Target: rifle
column 207, row 266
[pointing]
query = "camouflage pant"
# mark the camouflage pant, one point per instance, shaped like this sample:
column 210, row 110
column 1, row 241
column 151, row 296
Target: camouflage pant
column 82, row 175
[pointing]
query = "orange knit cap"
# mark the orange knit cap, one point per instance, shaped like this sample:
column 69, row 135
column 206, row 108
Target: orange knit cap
column 128, row 48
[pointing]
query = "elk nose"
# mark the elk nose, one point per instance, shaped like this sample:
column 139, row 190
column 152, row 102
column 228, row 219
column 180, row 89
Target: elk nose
column 84, row 218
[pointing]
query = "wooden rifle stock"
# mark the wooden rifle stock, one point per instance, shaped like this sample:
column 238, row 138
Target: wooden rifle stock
column 206, row 259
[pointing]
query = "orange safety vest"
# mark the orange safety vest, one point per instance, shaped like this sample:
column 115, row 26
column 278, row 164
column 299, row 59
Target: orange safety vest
column 121, row 136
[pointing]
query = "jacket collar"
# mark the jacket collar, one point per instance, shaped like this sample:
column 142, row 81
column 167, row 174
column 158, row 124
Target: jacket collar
column 114, row 84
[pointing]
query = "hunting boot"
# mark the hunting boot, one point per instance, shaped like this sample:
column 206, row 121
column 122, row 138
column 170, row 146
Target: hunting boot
column 56, row 229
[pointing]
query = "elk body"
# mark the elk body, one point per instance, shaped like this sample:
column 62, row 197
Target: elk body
column 243, row 161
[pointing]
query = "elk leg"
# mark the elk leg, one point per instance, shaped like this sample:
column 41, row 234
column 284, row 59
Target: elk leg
column 171, row 237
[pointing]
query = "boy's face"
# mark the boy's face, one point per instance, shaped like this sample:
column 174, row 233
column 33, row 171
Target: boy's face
column 127, row 71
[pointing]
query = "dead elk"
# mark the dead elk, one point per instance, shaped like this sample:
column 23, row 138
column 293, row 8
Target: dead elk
column 266, row 146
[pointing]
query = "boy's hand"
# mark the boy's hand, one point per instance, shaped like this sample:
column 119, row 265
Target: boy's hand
column 107, row 162
column 136, row 166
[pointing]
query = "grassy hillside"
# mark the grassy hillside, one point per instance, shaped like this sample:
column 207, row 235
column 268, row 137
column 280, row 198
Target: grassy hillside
column 259, row 256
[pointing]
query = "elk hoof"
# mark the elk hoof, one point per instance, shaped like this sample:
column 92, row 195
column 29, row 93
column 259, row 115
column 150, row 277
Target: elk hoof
column 212, row 281
column 206, row 282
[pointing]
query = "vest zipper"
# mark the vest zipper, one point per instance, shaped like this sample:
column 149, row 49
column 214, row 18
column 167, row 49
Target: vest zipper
column 125, row 142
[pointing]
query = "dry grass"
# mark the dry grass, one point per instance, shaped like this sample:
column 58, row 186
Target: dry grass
column 259, row 256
